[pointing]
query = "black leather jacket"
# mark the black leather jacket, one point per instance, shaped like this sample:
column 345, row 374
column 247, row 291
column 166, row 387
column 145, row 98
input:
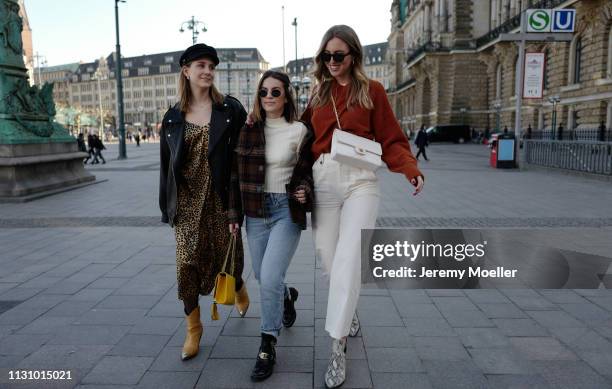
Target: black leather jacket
column 225, row 123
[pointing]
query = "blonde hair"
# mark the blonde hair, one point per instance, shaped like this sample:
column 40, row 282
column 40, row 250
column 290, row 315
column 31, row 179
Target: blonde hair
column 359, row 88
column 184, row 92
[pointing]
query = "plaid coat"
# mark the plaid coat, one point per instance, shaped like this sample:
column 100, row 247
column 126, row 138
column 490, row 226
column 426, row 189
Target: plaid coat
column 249, row 169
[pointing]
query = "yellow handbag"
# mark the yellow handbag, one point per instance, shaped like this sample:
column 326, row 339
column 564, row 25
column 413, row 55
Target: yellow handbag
column 225, row 283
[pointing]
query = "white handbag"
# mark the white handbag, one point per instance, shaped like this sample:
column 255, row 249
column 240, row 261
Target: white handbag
column 354, row 150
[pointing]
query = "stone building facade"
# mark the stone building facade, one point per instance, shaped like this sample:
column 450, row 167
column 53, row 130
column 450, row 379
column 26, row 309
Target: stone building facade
column 448, row 65
column 150, row 83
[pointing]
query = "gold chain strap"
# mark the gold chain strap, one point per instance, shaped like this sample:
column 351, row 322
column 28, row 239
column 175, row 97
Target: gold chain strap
column 335, row 111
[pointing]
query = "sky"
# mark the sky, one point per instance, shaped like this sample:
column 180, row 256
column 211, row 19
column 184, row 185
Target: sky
column 67, row 31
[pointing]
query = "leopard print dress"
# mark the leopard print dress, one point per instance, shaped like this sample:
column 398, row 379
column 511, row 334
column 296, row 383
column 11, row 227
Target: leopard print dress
column 201, row 227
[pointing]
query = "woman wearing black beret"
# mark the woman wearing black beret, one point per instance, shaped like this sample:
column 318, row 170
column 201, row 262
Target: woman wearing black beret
column 198, row 138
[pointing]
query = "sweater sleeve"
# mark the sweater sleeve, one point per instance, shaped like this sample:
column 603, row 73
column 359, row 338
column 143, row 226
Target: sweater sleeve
column 395, row 147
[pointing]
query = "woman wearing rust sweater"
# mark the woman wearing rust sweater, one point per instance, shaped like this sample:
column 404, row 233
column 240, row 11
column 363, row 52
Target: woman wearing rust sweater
column 347, row 197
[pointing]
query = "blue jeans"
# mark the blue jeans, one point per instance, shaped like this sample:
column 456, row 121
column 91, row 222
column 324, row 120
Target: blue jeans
column 273, row 240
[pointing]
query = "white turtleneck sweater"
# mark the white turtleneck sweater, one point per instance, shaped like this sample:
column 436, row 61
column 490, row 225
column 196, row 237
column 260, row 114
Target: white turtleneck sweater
column 283, row 140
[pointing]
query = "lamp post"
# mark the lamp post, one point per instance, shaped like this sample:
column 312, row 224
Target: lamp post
column 122, row 149
column 40, row 61
column 497, row 105
column 294, row 24
column 295, row 81
column 193, row 25
column 554, row 100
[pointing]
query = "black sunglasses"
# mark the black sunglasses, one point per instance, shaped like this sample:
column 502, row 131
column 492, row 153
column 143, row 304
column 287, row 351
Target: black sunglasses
column 338, row 57
column 274, row 93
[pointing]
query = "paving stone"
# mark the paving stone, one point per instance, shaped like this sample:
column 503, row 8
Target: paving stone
column 554, row 319
column 386, row 337
column 23, row 345
column 70, row 308
column 428, row 327
column 455, row 374
column 112, row 316
column 118, row 370
column 218, row 373
column 169, row 359
column 486, row 296
column 242, row 327
column 440, row 348
column 500, row 361
column 64, row 357
column 482, row 337
column 168, row 380
column 501, row 310
column 460, row 318
column 126, row 302
column 517, row 381
column 394, row 360
column 139, row 345
column 293, row 359
column 542, row 349
column 156, row 326
column 570, row 374
column 297, row 336
column 562, row 296
column 209, row 336
column 520, row 327
column 47, row 324
column 401, row 380
column 581, row 338
column 418, row 310
column 89, row 335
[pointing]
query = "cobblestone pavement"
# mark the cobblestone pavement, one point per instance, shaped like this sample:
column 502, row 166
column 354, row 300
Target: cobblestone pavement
column 87, row 284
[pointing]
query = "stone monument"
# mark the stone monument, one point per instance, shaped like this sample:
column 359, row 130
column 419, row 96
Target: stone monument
column 37, row 155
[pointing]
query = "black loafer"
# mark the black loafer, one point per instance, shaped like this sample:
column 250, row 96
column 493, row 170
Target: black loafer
column 266, row 358
column 289, row 314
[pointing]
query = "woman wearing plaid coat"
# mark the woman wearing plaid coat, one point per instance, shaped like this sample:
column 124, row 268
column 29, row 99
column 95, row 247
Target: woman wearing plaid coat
column 274, row 169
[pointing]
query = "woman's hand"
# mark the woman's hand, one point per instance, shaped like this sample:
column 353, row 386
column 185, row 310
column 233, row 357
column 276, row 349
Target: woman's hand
column 234, row 228
column 249, row 120
column 418, row 183
column 300, row 194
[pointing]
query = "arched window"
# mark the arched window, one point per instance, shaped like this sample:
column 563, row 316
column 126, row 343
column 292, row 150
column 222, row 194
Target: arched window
column 575, row 62
column 546, row 68
column 498, row 82
column 609, row 63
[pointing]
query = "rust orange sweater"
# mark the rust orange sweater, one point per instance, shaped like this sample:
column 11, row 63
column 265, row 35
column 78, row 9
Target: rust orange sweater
column 377, row 124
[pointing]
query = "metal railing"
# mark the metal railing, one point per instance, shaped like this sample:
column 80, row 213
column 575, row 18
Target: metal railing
column 582, row 134
column 588, row 157
column 428, row 47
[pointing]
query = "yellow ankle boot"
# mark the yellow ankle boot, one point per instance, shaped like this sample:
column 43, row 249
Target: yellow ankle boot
column 242, row 300
column 194, row 333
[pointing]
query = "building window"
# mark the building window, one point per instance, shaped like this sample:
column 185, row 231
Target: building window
column 169, row 59
column 171, row 80
column 609, row 64
column 147, row 62
column 546, row 68
column 127, row 64
column 136, row 83
column 143, row 71
column 148, row 93
column 498, row 82
column 573, row 76
column 125, row 72
column 165, row 68
column 147, row 82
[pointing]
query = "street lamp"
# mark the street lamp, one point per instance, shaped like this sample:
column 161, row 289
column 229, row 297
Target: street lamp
column 294, row 24
column 41, row 60
column 554, row 100
column 193, row 25
column 122, row 149
column 497, row 105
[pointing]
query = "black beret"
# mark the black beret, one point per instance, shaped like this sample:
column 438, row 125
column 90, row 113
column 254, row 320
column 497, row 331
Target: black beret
column 198, row 51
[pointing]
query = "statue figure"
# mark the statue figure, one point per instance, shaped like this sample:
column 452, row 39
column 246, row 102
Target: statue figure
column 10, row 27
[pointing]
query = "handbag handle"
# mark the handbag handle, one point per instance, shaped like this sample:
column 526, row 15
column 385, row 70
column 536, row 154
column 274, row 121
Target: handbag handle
column 336, row 112
column 232, row 249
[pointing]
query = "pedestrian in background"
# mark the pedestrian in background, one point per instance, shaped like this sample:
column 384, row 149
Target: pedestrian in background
column 90, row 148
column 98, row 147
column 274, row 154
column 347, row 197
column 137, row 137
column 421, row 142
column 198, row 138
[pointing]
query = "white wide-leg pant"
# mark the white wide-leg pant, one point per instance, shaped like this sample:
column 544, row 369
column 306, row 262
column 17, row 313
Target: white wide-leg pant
column 346, row 201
